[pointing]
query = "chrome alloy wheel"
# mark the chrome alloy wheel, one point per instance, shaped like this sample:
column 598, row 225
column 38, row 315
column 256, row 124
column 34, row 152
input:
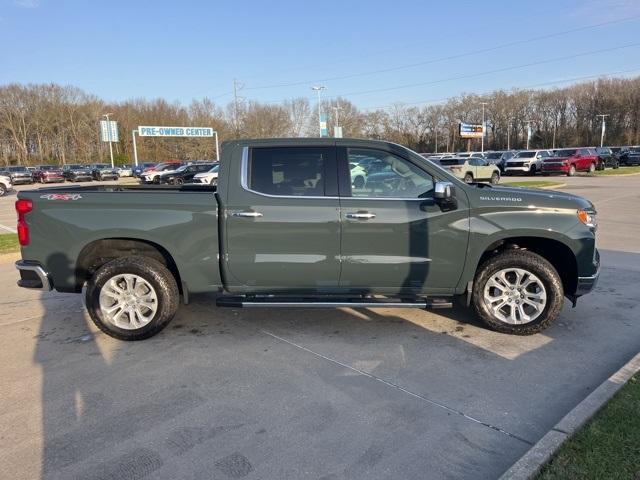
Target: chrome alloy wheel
column 128, row 301
column 515, row 296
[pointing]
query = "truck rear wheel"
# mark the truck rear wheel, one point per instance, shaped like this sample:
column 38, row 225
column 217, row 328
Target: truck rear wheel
column 517, row 292
column 132, row 298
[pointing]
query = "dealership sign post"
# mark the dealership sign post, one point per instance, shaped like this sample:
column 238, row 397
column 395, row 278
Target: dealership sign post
column 471, row 130
column 161, row 131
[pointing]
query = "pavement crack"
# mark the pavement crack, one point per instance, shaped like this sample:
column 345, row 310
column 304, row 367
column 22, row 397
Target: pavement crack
column 402, row 389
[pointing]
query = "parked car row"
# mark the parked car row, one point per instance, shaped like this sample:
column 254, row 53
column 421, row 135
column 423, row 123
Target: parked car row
column 566, row 161
column 178, row 173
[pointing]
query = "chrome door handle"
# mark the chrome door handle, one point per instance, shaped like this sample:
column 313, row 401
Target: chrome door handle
column 361, row 216
column 247, row 214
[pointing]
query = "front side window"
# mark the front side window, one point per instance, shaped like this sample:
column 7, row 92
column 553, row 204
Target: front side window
column 296, row 172
column 395, row 177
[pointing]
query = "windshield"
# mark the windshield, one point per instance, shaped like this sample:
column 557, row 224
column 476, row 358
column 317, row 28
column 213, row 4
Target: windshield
column 526, row 154
column 18, row 169
column 565, row 153
column 493, row 155
column 46, row 168
column 76, row 167
column 452, row 161
column 214, row 168
column 101, row 165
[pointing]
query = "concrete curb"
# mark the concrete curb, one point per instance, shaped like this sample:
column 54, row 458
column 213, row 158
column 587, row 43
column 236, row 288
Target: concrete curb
column 531, row 462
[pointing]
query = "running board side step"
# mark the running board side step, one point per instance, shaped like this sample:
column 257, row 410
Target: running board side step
column 290, row 302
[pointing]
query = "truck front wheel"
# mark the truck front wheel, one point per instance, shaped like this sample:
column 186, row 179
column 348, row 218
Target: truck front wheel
column 517, row 292
column 132, row 298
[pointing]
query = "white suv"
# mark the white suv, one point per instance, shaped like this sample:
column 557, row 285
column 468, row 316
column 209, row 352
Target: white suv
column 5, row 185
column 526, row 161
column 210, row 176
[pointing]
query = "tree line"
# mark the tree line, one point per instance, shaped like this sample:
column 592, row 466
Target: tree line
column 49, row 123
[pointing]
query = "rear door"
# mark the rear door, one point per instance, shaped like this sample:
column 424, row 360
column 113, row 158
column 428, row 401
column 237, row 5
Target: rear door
column 395, row 238
column 282, row 223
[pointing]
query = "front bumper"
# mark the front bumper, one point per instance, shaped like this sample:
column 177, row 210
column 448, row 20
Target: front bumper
column 523, row 169
column 33, row 276
column 554, row 168
column 52, row 179
column 587, row 284
column 21, row 180
column 81, row 177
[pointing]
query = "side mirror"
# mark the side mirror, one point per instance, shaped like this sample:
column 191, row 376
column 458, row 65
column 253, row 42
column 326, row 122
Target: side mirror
column 445, row 196
column 444, row 191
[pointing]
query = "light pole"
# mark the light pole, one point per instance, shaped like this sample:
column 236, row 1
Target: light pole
column 483, row 127
column 603, row 127
column 318, row 89
column 109, row 132
column 528, row 122
column 337, row 129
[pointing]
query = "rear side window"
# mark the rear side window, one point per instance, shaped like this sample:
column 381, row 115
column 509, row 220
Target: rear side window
column 295, row 172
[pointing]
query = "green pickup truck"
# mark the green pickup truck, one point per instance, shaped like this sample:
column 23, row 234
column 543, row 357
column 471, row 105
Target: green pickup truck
column 288, row 225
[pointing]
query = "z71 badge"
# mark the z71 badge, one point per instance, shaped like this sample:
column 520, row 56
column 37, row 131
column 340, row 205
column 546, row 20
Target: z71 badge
column 61, row 196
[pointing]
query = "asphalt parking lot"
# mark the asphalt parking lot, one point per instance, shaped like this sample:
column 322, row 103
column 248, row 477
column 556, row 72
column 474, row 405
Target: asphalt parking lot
column 370, row 393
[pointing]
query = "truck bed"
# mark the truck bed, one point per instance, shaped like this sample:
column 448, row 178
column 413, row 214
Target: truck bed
column 179, row 220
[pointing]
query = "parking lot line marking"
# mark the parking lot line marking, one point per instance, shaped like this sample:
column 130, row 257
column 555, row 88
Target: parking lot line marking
column 8, row 229
column 402, row 389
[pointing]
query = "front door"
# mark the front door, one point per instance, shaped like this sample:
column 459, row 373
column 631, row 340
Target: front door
column 395, row 237
column 282, row 224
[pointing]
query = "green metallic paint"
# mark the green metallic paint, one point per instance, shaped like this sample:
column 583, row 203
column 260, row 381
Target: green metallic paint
column 296, row 245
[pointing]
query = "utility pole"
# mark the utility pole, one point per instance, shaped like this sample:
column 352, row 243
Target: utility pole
column 318, row 89
column 236, row 86
column 483, row 126
column 109, row 131
column 508, row 134
column 603, row 115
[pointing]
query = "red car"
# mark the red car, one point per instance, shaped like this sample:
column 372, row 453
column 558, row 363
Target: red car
column 48, row 174
column 568, row 161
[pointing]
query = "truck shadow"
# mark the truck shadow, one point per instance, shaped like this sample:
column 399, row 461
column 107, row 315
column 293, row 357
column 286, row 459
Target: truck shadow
column 113, row 409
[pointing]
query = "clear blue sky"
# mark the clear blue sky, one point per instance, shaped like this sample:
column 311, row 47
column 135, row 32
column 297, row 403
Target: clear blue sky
column 181, row 50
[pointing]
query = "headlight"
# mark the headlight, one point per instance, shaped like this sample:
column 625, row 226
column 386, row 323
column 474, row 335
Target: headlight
column 588, row 217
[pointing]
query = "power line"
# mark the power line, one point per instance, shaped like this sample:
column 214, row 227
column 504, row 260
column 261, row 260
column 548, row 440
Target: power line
column 541, row 84
column 449, row 57
column 488, row 72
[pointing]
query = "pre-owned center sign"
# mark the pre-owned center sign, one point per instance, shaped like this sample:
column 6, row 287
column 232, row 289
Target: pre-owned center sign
column 161, row 131
column 149, row 131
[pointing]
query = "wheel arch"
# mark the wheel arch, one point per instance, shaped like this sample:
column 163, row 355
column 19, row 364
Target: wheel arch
column 554, row 251
column 98, row 252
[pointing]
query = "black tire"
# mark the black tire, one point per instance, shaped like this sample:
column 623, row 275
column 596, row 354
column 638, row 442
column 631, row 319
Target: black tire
column 592, row 168
column 530, row 262
column 616, row 165
column 152, row 271
column 178, row 181
column 533, row 170
column 495, row 178
column 468, row 178
column 572, row 171
column 3, row 190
